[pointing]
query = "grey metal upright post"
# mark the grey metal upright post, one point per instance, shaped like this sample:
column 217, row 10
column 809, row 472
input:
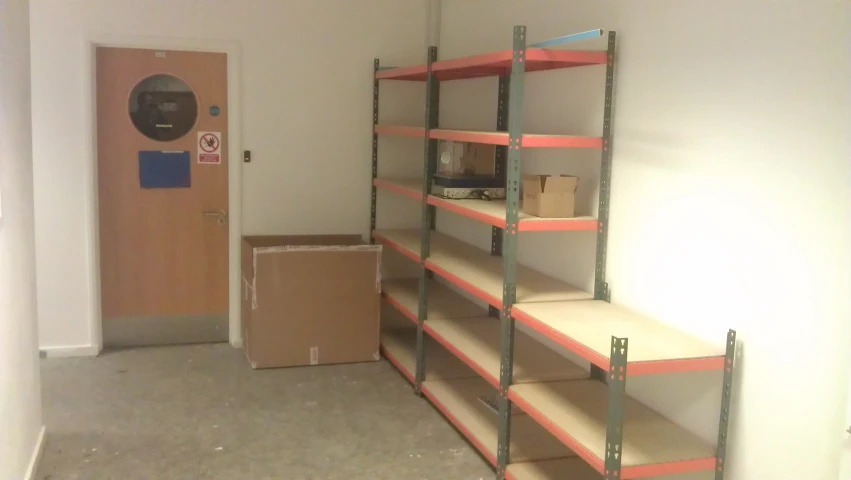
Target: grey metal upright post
column 509, row 244
column 614, row 415
column 726, row 394
column 499, row 165
column 428, row 213
column 374, row 197
column 601, row 288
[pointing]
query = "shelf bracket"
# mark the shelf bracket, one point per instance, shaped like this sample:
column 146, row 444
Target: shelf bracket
column 614, row 415
column 374, row 197
column 428, row 214
column 600, row 286
column 509, row 244
column 726, row 394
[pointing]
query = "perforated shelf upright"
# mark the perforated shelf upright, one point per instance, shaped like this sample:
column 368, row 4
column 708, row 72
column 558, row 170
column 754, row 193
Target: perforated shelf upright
column 455, row 353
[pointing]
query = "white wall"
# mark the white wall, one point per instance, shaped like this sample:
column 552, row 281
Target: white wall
column 845, row 442
column 730, row 202
column 20, row 391
column 306, row 109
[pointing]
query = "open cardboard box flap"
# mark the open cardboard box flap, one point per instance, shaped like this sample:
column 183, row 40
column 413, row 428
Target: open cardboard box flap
column 551, row 183
column 549, row 196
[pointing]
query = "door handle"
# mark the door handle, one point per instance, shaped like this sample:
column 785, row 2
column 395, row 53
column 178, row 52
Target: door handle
column 221, row 215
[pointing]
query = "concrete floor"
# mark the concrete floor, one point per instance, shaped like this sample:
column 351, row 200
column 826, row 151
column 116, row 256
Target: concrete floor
column 200, row 413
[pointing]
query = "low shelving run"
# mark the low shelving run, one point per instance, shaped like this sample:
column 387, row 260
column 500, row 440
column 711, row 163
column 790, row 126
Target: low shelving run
column 464, row 343
column 468, row 401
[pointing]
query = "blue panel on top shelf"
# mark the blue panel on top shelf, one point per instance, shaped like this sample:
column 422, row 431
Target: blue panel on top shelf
column 567, row 38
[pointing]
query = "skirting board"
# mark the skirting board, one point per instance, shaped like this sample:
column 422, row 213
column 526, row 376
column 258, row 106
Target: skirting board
column 38, row 451
column 70, row 351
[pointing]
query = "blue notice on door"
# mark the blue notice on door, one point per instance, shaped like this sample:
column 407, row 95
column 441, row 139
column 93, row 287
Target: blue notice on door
column 158, row 169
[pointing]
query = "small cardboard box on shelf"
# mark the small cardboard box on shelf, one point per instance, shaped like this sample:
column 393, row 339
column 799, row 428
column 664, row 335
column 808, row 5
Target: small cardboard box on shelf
column 463, row 159
column 310, row 300
column 549, row 196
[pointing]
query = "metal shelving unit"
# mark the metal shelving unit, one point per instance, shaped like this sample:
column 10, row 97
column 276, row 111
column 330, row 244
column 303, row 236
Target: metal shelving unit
column 455, row 353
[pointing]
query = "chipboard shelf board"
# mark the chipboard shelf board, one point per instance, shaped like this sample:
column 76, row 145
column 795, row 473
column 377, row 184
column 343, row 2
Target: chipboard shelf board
column 491, row 212
column 586, row 328
column 575, row 412
column 460, row 395
column 400, row 130
column 443, row 302
column 404, row 241
column 528, row 140
column 452, row 322
column 477, row 343
column 408, row 187
column 460, row 401
column 399, row 347
column 576, row 469
column 495, row 64
column 560, row 469
column 476, row 271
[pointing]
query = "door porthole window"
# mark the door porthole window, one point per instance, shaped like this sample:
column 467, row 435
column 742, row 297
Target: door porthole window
column 163, row 107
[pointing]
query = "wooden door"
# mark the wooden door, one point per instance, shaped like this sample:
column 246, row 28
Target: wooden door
column 163, row 224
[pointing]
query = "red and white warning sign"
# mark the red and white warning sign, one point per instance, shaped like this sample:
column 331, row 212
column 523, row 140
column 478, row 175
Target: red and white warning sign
column 209, row 147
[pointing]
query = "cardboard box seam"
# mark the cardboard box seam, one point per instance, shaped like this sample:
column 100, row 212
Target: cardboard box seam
column 313, row 248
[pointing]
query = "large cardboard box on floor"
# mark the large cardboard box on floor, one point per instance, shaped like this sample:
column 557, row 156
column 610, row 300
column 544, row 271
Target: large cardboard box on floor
column 310, row 300
column 550, row 196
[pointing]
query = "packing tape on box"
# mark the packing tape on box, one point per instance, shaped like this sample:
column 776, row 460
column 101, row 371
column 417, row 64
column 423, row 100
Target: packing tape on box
column 378, row 275
column 318, row 248
column 248, row 288
column 311, row 248
column 254, row 280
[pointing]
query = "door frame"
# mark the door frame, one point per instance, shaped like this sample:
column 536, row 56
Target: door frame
column 91, row 215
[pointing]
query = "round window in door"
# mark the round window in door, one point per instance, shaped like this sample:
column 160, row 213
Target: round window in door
column 163, row 107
